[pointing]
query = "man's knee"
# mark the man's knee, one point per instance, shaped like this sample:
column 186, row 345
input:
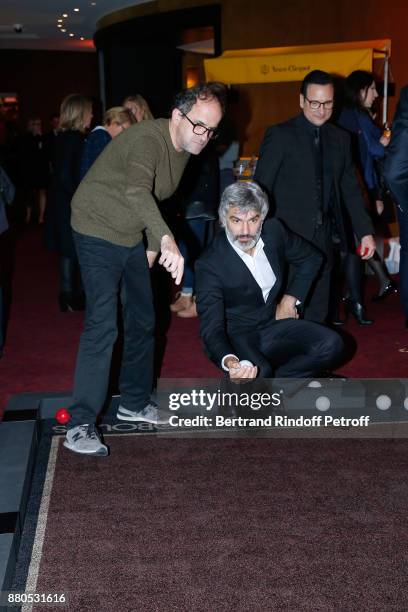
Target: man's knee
column 102, row 333
column 101, row 320
column 330, row 346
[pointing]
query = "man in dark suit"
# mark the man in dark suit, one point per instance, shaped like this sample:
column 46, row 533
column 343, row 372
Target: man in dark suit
column 305, row 165
column 248, row 312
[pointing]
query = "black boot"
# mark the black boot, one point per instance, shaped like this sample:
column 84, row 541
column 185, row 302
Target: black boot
column 357, row 310
column 334, row 317
column 71, row 297
column 66, row 302
column 387, row 289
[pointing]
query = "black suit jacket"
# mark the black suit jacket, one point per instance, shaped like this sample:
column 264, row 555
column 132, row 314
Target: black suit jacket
column 230, row 303
column 286, row 170
column 395, row 167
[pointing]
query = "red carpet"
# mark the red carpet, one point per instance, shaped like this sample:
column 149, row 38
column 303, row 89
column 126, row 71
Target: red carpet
column 41, row 344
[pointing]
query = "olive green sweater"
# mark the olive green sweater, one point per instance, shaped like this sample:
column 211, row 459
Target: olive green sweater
column 117, row 199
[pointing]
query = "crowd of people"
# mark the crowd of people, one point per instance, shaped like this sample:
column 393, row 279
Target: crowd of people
column 263, row 289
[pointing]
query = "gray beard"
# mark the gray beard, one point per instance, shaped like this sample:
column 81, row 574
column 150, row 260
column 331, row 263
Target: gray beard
column 249, row 245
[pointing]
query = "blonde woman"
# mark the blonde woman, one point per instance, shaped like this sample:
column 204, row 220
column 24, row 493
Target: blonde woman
column 75, row 119
column 115, row 120
column 138, row 106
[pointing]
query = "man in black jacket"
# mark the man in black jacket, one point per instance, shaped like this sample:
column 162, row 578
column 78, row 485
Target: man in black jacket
column 306, row 167
column 396, row 176
column 248, row 311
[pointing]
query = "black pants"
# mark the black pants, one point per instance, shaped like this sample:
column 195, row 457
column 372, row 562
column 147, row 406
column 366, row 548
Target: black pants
column 298, row 349
column 317, row 306
column 106, row 269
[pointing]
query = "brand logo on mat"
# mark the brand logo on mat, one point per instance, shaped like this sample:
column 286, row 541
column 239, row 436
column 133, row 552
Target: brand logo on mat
column 118, row 428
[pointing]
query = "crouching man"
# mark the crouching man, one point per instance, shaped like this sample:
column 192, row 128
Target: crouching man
column 248, row 299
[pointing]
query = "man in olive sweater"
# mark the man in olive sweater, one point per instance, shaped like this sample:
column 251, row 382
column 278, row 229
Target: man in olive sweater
column 114, row 206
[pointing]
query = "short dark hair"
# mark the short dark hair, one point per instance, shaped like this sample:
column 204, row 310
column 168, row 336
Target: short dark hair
column 316, row 77
column 186, row 98
column 355, row 82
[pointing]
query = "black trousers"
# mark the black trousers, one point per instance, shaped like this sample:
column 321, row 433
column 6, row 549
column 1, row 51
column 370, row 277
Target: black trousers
column 294, row 348
column 107, row 270
column 317, row 305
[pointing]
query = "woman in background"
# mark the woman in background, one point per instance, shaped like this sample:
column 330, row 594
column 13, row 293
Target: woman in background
column 75, row 119
column 115, row 120
column 138, row 106
column 369, row 146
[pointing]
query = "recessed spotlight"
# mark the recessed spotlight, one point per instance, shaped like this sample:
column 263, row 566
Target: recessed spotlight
column 59, row 20
column 65, row 15
column 63, row 30
column 76, row 10
column 59, row 25
column 71, row 34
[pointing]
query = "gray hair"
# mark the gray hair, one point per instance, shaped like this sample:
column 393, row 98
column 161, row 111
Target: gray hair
column 243, row 195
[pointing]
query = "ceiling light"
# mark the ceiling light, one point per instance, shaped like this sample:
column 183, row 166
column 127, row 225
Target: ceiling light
column 82, row 38
column 65, row 15
column 63, row 30
column 71, row 34
column 59, row 20
column 59, row 25
column 76, row 10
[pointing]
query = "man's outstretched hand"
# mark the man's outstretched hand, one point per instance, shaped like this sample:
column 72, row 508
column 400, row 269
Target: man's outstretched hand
column 171, row 258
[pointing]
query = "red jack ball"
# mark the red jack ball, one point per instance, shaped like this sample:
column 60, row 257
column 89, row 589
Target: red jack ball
column 62, row 416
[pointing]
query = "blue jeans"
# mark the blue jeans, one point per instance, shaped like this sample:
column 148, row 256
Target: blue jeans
column 193, row 238
column 403, row 269
column 106, row 270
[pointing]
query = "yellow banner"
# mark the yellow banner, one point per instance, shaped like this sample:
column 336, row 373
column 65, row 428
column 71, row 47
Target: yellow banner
column 276, row 68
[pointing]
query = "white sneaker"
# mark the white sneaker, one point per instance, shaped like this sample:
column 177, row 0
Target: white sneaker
column 149, row 414
column 85, row 440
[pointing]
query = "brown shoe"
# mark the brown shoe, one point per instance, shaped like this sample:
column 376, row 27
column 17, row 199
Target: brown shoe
column 189, row 312
column 182, row 302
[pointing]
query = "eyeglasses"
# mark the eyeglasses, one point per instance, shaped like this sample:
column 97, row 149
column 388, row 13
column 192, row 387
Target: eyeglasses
column 201, row 129
column 315, row 104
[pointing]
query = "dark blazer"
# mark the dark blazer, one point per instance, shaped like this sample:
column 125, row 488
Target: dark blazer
column 93, row 147
column 396, row 169
column 286, row 170
column 230, row 302
column 396, row 161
